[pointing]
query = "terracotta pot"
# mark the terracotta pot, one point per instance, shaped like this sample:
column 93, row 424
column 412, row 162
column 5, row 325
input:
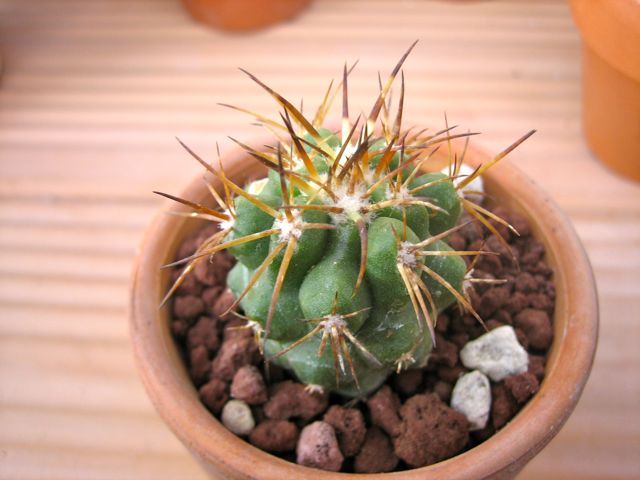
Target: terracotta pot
column 226, row 456
column 611, row 80
column 241, row 15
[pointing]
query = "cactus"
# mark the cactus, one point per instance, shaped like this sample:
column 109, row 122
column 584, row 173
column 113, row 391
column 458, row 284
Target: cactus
column 343, row 262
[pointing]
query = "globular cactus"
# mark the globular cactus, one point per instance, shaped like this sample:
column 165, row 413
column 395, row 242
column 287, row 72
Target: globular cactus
column 343, row 262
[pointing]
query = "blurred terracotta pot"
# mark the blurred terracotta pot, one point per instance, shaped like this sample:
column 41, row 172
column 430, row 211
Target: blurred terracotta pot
column 241, row 15
column 224, row 455
column 611, row 80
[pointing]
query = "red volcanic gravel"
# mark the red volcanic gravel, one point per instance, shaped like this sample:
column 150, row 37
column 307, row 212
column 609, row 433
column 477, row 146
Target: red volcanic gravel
column 214, row 394
column 377, row 453
column 248, row 386
column 406, row 423
column 291, row 399
column 430, row 431
column 383, row 410
column 349, row 426
column 275, row 435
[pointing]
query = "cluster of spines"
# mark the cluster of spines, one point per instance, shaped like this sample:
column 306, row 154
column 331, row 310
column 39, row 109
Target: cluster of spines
column 345, row 189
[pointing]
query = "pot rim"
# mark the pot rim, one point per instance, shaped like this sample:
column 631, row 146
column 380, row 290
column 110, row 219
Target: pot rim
column 504, row 454
column 611, row 29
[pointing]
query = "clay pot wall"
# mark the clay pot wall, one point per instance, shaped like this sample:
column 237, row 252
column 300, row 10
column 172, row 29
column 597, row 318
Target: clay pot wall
column 225, row 455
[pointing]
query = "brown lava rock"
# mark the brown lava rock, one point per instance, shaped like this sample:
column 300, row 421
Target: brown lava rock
column 189, row 285
column 377, row 453
column 407, row 382
column 222, row 304
column 422, row 431
column 199, row 364
column 235, row 328
column 471, row 232
column 443, row 390
column 214, row 394
column 214, row 270
column 383, row 407
column 502, row 229
column 349, row 426
column 503, row 405
column 491, row 300
column 459, row 339
column 457, row 241
column 526, row 283
column 536, row 366
column 235, row 353
column 179, row 328
column 444, row 353
column 275, row 436
column 194, row 240
column 205, row 272
column 291, row 399
column 536, row 325
column 430, row 431
column 204, row 332
column 520, row 223
column 451, row 374
column 488, row 263
column 483, row 434
column 210, row 296
column 493, row 324
column 522, row 387
column 187, row 306
column 540, row 301
column 318, row 447
column 221, row 263
column 516, row 302
column 503, row 317
column 533, row 252
column 248, row 385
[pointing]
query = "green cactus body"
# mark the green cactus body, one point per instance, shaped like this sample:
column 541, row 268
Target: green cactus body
column 312, row 369
column 250, row 219
column 322, row 274
column 443, row 195
column 343, row 263
column 287, row 322
column 382, row 258
column 451, row 269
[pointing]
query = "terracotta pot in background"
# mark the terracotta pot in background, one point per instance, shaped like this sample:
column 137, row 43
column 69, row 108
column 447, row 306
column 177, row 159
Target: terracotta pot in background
column 242, row 15
column 224, row 455
column 611, row 80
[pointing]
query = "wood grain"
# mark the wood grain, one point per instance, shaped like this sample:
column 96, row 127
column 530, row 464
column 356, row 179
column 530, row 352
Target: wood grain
column 92, row 95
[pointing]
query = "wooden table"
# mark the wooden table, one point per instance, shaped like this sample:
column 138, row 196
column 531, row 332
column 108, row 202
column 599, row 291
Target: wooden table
column 92, row 95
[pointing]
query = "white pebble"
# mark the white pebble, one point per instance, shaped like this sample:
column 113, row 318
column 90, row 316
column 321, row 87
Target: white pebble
column 497, row 354
column 472, row 397
column 237, row 417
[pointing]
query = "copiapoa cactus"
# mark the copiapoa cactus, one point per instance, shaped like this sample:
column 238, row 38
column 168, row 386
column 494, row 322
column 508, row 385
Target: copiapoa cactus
column 342, row 256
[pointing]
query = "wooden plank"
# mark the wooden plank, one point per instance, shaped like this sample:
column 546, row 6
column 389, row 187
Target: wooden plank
column 33, row 461
column 41, row 321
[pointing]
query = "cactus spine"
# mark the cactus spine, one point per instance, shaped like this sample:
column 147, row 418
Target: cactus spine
column 343, row 264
